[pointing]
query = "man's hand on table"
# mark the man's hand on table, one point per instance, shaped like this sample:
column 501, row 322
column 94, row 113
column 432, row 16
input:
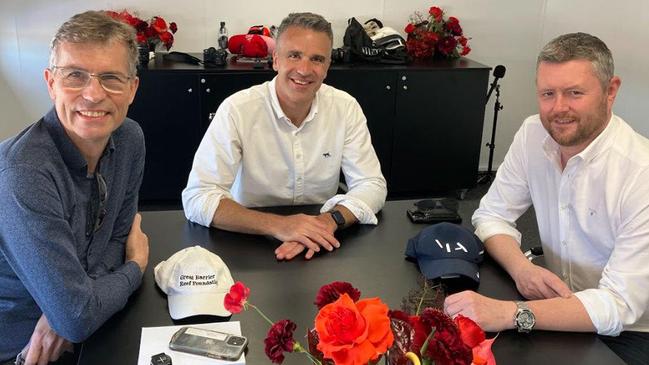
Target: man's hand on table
column 137, row 244
column 536, row 282
column 491, row 315
column 45, row 345
column 308, row 232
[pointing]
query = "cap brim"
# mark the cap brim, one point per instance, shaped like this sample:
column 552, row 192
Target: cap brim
column 439, row 268
column 182, row 306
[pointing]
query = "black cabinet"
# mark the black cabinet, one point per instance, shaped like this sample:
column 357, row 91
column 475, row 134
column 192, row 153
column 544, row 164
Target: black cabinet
column 425, row 119
column 167, row 107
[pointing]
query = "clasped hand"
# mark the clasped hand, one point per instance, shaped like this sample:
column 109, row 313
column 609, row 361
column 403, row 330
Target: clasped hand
column 45, row 345
column 300, row 231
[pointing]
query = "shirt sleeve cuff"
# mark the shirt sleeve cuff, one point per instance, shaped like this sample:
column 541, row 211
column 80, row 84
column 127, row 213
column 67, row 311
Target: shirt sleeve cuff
column 359, row 209
column 602, row 310
column 486, row 229
column 131, row 270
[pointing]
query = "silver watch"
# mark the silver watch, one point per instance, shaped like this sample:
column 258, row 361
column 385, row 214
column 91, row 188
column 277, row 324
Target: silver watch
column 524, row 319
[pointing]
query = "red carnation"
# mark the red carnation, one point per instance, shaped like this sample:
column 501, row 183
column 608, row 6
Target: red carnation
column 173, row 27
column 279, row 340
column 235, row 300
column 436, row 12
column 331, row 292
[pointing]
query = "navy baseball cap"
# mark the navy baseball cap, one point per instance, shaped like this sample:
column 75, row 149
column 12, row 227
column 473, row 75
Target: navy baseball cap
column 447, row 251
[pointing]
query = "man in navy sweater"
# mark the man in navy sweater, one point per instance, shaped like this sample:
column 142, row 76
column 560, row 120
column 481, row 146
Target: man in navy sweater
column 71, row 247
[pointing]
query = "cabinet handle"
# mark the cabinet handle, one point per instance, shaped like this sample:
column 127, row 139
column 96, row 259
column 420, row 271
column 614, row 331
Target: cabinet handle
column 404, row 78
column 211, row 116
column 387, row 87
column 202, row 81
column 207, row 90
column 189, row 90
column 405, row 87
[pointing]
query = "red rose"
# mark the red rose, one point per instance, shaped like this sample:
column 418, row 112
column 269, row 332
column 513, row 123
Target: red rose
column 279, row 340
column 167, row 38
column 173, row 27
column 331, row 292
column 235, row 300
column 465, row 51
column 436, row 12
column 453, row 26
column 409, row 28
column 159, row 24
column 353, row 333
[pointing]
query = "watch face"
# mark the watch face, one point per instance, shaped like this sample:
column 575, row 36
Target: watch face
column 525, row 320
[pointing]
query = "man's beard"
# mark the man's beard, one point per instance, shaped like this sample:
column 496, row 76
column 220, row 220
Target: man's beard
column 588, row 126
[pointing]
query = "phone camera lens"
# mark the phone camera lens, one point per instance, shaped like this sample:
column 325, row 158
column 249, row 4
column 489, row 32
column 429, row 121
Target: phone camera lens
column 236, row 341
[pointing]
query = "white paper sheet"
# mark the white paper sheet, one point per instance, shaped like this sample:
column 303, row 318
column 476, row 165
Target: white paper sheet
column 155, row 340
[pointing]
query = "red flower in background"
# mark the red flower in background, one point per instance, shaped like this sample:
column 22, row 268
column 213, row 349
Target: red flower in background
column 436, row 12
column 149, row 33
column 279, row 340
column 331, row 292
column 433, row 35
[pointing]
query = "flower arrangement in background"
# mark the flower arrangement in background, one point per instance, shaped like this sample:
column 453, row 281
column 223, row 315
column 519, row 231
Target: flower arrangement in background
column 354, row 331
column 435, row 35
column 151, row 33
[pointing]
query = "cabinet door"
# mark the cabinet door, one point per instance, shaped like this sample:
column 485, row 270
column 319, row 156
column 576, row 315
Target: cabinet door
column 438, row 130
column 375, row 92
column 216, row 87
column 167, row 108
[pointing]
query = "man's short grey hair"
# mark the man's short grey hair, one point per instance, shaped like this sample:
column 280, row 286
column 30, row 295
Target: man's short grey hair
column 314, row 22
column 99, row 28
column 580, row 46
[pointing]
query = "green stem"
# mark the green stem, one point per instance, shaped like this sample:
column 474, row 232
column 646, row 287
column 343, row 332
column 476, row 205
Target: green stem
column 297, row 347
column 425, row 346
column 260, row 313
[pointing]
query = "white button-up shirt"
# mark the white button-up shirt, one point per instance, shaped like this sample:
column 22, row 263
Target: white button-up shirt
column 253, row 154
column 593, row 217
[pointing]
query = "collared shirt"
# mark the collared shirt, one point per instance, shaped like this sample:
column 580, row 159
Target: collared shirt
column 593, row 217
column 49, row 262
column 253, row 154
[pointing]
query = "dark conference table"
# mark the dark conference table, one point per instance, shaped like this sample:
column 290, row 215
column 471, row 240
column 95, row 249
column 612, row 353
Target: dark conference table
column 371, row 258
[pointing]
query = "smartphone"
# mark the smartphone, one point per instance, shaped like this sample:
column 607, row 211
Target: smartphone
column 214, row 344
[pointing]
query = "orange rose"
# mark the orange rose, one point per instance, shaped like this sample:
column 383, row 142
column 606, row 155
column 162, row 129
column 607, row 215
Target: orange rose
column 354, row 333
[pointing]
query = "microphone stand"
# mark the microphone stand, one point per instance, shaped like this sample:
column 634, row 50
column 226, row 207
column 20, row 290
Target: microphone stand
column 488, row 176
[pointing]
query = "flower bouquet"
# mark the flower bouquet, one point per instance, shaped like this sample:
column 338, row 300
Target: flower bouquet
column 151, row 33
column 435, row 35
column 354, row 331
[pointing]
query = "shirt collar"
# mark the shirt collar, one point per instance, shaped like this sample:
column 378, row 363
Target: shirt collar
column 70, row 153
column 277, row 108
column 597, row 146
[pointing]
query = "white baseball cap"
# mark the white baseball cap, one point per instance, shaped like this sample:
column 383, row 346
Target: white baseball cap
column 195, row 281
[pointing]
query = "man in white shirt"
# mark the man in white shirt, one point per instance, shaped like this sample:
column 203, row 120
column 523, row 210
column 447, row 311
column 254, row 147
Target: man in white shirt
column 285, row 142
column 585, row 171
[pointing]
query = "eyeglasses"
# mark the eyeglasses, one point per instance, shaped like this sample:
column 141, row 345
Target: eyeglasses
column 76, row 79
column 97, row 206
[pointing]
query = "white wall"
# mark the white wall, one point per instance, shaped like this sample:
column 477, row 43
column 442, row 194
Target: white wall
column 507, row 32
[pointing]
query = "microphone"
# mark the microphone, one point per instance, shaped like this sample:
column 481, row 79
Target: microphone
column 499, row 72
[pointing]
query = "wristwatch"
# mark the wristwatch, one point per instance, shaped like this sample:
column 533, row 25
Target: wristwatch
column 338, row 218
column 524, row 319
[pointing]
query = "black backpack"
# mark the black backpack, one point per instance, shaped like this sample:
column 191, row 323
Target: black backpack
column 363, row 48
